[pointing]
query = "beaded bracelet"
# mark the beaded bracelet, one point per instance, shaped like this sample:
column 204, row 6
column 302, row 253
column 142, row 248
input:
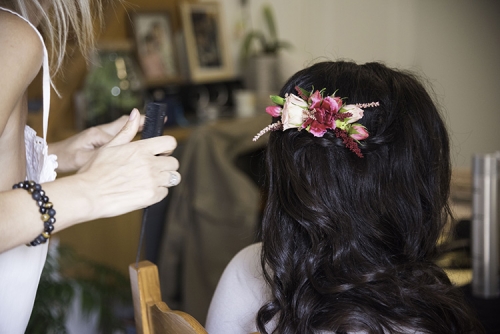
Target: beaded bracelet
column 45, row 208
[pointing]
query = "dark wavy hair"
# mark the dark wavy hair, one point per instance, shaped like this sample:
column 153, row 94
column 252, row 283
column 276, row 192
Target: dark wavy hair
column 349, row 242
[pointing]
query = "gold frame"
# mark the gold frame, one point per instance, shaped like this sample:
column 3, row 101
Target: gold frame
column 155, row 46
column 215, row 62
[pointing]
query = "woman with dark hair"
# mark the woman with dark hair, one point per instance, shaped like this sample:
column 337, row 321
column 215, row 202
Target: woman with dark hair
column 357, row 200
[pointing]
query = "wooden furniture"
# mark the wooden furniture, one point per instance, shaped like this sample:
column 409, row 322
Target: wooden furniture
column 152, row 315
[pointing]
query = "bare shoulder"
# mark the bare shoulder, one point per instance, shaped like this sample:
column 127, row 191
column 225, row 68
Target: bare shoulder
column 21, row 48
column 246, row 263
column 21, row 55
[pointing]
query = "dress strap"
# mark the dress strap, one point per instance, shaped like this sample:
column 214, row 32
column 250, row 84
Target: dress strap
column 47, row 82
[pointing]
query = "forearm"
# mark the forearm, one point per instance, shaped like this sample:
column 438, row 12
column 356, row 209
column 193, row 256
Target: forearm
column 22, row 221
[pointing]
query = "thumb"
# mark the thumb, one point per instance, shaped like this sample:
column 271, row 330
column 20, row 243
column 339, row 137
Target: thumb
column 129, row 130
column 100, row 138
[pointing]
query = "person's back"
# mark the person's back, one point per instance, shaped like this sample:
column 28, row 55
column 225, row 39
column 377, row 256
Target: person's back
column 356, row 204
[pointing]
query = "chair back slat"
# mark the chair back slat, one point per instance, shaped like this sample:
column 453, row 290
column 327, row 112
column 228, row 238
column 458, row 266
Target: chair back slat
column 152, row 315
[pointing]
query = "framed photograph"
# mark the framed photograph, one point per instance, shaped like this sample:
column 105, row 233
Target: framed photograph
column 207, row 52
column 155, row 46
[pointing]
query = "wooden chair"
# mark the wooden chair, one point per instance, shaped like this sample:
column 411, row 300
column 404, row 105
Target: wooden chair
column 152, row 315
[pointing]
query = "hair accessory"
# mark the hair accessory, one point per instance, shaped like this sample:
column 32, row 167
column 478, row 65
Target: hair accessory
column 46, row 209
column 317, row 114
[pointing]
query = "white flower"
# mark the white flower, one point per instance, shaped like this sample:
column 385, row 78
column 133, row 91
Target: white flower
column 357, row 113
column 293, row 115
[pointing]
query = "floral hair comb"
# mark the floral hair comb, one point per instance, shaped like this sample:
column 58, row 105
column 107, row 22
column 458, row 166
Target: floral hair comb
column 317, row 114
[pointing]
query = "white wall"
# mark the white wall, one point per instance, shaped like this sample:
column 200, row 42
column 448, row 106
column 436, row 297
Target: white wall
column 454, row 43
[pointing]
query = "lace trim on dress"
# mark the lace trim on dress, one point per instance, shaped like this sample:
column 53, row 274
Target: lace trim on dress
column 40, row 166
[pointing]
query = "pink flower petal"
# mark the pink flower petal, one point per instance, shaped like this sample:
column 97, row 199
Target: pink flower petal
column 315, row 100
column 307, row 122
column 331, row 104
column 317, row 129
column 339, row 101
column 361, row 132
column 274, row 111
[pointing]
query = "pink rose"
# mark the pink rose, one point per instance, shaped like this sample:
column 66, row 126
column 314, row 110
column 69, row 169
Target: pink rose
column 357, row 113
column 292, row 115
column 358, row 132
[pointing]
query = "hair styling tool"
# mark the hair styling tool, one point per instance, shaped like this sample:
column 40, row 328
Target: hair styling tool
column 153, row 127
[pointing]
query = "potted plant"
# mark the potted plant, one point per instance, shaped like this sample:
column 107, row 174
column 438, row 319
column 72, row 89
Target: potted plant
column 259, row 52
column 68, row 278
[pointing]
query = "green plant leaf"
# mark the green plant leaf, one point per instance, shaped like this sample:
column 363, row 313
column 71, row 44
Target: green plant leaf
column 269, row 43
column 267, row 11
column 64, row 275
column 246, row 48
column 277, row 99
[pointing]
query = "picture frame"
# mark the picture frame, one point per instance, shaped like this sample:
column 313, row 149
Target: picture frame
column 206, row 46
column 155, row 44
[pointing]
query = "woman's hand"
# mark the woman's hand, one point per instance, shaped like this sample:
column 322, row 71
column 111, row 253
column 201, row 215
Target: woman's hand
column 123, row 176
column 119, row 177
column 73, row 152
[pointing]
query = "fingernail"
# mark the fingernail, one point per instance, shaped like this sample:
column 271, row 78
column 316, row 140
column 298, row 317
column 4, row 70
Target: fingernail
column 133, row 115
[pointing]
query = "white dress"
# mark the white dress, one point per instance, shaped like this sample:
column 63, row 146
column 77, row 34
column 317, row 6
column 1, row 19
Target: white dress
column 239, row 295
column 20, row 267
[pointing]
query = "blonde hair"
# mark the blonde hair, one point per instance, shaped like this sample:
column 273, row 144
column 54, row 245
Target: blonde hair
column 59, row 20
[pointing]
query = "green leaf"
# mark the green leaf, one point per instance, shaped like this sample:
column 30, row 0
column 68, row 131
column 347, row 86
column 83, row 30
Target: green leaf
column 246, row 47
column 65, row 274
column 269, row 19
column 269, row 43
column 277, row 99
column 335, row 92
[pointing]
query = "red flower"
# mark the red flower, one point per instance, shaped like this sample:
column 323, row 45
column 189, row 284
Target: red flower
column 323, row 113
column 334, row 103
column 315, row 100
column 316, row 128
